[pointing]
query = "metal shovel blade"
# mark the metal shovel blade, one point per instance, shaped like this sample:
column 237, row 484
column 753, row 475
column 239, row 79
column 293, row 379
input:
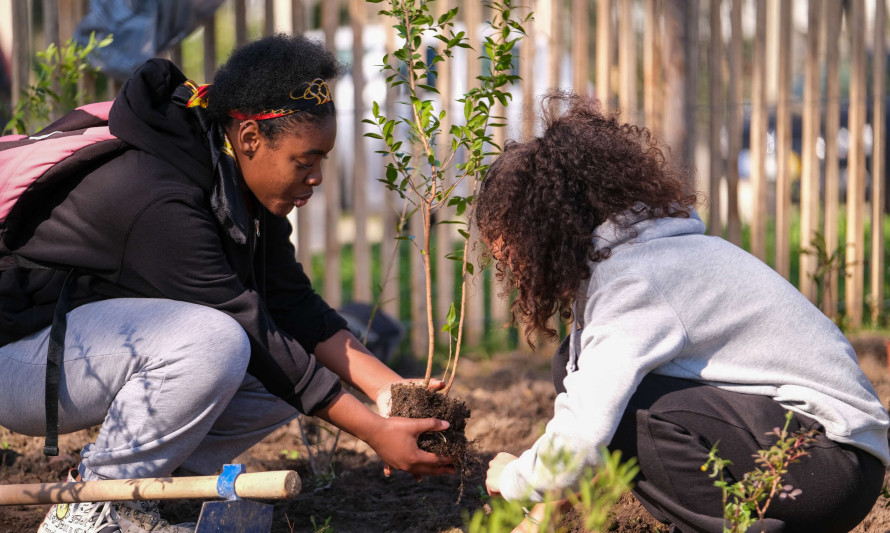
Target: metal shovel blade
column 235, row 516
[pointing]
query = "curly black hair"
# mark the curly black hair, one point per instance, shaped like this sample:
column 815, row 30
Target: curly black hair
column 260, row 75
column 541, row 200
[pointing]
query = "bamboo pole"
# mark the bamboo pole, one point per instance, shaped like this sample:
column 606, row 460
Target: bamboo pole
column 878, row 161
column 333, row 291
column 809, row 180
column 734, row 125
column 855, row 252
column 783, row 142
column 758, row 135
column 603, row 50
column 715, row 92
column 833, row 17
column 627, row 59
column 361, row 248
column 579, row 46
column 279, row 485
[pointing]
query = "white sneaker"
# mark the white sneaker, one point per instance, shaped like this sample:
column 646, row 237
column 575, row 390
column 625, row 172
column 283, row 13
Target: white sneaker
column 142, row 516
column 84, row 517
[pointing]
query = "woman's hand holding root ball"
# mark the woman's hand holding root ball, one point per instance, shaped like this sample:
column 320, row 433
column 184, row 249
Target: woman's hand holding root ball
column 394, row 438
column 396, row 444
column 384, row 406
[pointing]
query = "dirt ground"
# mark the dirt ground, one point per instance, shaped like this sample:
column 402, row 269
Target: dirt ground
column 511, row 400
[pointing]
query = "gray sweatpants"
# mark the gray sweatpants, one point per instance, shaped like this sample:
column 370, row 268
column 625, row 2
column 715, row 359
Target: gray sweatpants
column 166, row 380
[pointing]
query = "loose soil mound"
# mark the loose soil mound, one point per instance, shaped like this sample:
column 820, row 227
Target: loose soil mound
column 511, row 397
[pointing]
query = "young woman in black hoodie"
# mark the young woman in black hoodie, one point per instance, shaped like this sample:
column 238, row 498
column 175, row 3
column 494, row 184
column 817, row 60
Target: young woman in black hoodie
column 192, row 332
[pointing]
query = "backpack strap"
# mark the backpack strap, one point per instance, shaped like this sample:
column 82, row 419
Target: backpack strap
column 54, row 357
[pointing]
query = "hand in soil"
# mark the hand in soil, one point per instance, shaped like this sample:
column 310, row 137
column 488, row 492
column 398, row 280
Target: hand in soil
column 384, row 395
column 495, row 467
column 396, row 444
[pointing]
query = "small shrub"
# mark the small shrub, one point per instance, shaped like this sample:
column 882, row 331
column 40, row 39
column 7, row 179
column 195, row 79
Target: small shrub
column 747, row 500
column 67, row 66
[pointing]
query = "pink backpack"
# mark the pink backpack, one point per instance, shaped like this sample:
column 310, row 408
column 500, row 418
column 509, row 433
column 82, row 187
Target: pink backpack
column 67, row 149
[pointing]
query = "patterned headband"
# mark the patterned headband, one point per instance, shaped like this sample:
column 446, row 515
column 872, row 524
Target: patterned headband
column 315, row 93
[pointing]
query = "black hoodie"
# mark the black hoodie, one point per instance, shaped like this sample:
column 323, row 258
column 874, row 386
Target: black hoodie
column 142, row 225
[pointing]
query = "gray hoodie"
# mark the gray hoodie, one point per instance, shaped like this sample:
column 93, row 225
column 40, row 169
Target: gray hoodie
column 675, row 302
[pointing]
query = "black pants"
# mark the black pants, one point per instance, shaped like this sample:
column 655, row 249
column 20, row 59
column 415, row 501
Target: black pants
column 671, row 424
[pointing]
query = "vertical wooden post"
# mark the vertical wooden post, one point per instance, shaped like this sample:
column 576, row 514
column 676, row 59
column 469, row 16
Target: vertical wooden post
column 579, row 46
column 419, row 332
column 680, row 64
column 783, row 141
column 715, row 95
column 51, row 35
column 297, row 17
column 555, row 48
column 445, row 232
column 391, row 293
column 809, row 179
column 734, row 125
column 475, row 315
column 304, row 217
column 240, row 22
column 209, row 48
column 627, row 59
column 51, row 22
column 269, row 20
column 362, row 250
column 603, row 50
column 856, row 167
column 21, row 48
column 652, row 101
column 527, row 57
column 878, row 161
column 833, row 17
column 758, row 135
column 333, row 291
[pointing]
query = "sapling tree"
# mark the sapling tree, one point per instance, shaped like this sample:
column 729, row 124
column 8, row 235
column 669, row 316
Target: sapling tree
column 418, row 170
column 59, row 69
column 749, row 499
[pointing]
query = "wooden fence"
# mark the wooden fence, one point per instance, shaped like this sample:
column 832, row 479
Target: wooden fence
column 797, row 89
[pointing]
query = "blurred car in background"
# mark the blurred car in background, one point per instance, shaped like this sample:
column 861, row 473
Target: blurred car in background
column 842, row 143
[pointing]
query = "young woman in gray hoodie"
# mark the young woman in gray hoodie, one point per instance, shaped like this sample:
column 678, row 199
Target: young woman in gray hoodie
column 678, row 340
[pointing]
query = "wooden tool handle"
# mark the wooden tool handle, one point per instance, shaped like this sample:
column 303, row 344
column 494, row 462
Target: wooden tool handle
column 278, row 485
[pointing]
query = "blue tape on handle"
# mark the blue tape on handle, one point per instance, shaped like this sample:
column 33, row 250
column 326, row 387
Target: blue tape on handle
column 225, row 484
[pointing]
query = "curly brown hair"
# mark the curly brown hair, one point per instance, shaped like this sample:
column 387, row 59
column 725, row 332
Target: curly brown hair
column 542, row 199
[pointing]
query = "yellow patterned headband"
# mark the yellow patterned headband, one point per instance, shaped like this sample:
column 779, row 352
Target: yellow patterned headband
column 315, row 93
